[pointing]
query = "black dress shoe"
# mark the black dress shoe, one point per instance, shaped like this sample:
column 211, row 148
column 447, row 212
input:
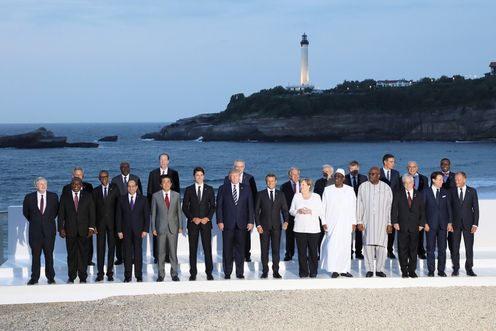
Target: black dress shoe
column 391, row 255
column 160, row 279
column 127, row 280
column 441, row 274
column 359, row 256
column 155, row 261
column 82, row 281
column 227, row 276
column 288, row 258
column 32, row 282
column 51, row 281
column 404, row 275
column 70, row 281
column 248, row 259
column 346, row 274
column 313, row 275
column 175, row 278
column 99, row 279
column 91, row 263
column 471, row 273
column 430, row 274
column 192, row 278
column 240, row 277
column 334, row 275
column 118, row 262
column 412, row 274
column 303, row 275
column 276, row 275
column 264, row 275
column 454, row 273
column 210, row 277
column 139, row 280
column 422, row 256
column 369, row 274
column 110, row 278
column 380, row 274
column 167, row 260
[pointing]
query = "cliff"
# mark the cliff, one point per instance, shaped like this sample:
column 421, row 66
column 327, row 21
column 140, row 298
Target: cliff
column 40, row 138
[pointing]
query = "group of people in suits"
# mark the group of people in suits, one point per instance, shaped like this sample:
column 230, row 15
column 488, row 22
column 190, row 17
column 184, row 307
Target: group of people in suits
column 121, row 216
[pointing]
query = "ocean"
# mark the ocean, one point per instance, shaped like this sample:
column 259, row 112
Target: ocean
column 19, row 167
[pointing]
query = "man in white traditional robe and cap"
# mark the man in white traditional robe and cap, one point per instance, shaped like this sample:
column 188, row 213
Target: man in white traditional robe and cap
column 374, row 220
column 339, row 221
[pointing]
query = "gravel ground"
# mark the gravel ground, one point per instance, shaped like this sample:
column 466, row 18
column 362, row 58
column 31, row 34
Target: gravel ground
column 453, row 308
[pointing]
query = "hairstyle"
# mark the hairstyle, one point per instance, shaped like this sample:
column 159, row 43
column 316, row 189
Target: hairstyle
column 354, row 163
column 435, row 174
column 375, row 168
column 308, row 181
column 405, row 177
column 40, row 179
column 462, row 173
column 124, row 163
column 162, row 177
column 103, row 172
column 163, row 154
column 409, row 162
column 386, row 157
column 291, row 170
column 445, row 159
column 77, row 169
column 328, row 166
column 270, row 175
column 132, row 180
column 239, row 160
column 198, row 169
column 233, row 170
column 76, row 179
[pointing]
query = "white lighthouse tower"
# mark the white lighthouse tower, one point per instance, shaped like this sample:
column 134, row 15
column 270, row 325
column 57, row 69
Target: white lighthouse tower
column 304, row 74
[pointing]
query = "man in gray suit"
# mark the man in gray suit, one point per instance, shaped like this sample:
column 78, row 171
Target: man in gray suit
column 166, row 225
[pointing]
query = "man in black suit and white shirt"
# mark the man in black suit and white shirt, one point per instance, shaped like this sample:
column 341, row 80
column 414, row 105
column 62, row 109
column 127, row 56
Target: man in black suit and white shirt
column 465, row 206
column 40, row 209
column 106, row 196
column 121, row 181
column 289, row 189
column 199, row 208
column 391, row 177
column 76, row 223
column 154, row 185
column 270, row 206
column 448, row 184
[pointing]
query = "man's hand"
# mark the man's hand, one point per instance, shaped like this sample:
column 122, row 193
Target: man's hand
column 62, row 233
column 389, row 229
column 196, row 220
column 260, row 229
column 396, row 227
column 120, row 235
column 90, row 232
column 353, row 227
column 473, row 229
column 361, row 227
column 325, row 227
column 143, row 234
column 285, row 225
column 450, row 227
column 427, row 227
column 221, row 226
column 204, row 220
column 154, row 232
column 180, row 231
column 249, row 226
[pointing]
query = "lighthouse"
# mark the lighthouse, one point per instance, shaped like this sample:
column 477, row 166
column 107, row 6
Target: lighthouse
column 304, row 74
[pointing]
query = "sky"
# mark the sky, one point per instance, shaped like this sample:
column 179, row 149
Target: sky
column 67, row 61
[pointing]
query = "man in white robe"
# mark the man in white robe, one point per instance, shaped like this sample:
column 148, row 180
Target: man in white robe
column 374, row 220
column 339, row 221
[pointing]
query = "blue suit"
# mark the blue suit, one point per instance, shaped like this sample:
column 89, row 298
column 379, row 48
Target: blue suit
column 235, row 218
column 438, row 216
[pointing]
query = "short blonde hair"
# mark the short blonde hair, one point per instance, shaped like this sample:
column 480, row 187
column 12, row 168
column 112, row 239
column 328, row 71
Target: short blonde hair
column 307, row 181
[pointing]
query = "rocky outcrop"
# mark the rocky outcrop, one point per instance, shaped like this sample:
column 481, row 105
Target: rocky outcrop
column 461, row 124
column 40, row 138
column 109, row 139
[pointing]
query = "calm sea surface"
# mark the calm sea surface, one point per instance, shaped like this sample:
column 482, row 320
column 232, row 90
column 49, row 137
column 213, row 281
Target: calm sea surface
column 20, row 167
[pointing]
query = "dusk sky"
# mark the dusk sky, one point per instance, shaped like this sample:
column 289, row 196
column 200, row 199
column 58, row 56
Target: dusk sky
column 158, row 61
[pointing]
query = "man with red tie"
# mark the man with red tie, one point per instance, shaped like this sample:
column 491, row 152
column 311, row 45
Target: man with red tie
column 289, row 189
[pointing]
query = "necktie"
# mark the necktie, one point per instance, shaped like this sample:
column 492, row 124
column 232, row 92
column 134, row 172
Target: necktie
column 235, row 195
column 199, row 193
column 409, row 199
column 76, row 201
column 271, row 195
column 294, row 187
column 437, row 196
column 105, row 193
column 461, row 194
column 125, row 180
column 167, row 202
column 132, row 203
column 388, row 176
column 354, row 183
column 42, row 205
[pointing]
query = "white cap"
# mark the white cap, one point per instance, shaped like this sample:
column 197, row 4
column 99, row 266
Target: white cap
column 340, row 171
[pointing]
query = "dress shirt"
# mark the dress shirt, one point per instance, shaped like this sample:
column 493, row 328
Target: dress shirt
column 307, row 223
column 38, row 194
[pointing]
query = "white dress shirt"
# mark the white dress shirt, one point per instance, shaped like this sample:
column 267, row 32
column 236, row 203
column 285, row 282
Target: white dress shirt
column 164, row 171
column 307, row 223
column 273, row 193
column 129, row 196
column 38, row 194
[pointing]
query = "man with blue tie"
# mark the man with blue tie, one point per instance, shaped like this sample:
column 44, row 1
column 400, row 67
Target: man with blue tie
column 465, row 207
column 438, row 223
column 235, row 215
column 420, row 183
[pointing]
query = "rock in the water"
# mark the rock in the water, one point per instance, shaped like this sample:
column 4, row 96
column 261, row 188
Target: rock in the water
column 109, row 138
column 40, row 138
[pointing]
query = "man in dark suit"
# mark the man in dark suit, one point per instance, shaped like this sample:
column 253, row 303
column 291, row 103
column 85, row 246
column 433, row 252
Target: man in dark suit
column 465, row 207
column 408, row 218
column 355, row 179
column 391, row 177
column 154, row 185
column 420, row 183
column 249, row 181
column 438, row 223
column 40, row 208
column 121, row 182
column 78, row 172
column 234, row 218
column 77, row 225
column 132, row 224
column 448, row 184
column 269, row 207
column 199, row 208
column 289, row 189
column 106, row 197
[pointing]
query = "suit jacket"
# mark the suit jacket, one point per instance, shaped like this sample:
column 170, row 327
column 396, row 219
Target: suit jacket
column 194, row 208
column 132, row 222
column 166, row 219
column 437, row 214
column 409, row 219
column 233, row 215
column 361, row 179
column 87, row 187
column 320, row 185
column 41, row 226
column 105, row 208
column 267, row 213
column 123, row 187
column 466, row 212
column 423, row 183
column 154, row 182
column 76, row 223
column 395, row 182
column 249, row 181
column 450, row 182
column 287, row 189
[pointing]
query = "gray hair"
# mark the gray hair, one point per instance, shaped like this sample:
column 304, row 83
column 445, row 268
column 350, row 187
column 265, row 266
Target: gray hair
column 234, row 170
column 239, row 160
column 78, row 169
column 405, row 177
column 328, row 166
column 40, row 179
column 291, row 170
